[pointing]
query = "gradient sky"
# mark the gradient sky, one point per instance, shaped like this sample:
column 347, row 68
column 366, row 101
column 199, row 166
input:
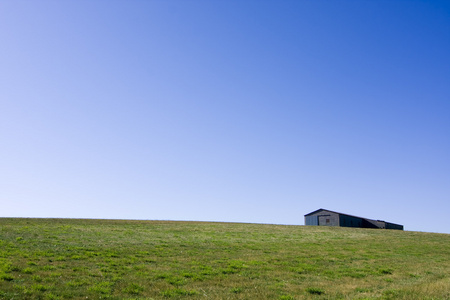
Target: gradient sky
column 237, row 111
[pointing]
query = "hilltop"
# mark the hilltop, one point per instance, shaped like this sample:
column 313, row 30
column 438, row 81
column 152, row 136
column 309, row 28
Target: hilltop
column 121, row 259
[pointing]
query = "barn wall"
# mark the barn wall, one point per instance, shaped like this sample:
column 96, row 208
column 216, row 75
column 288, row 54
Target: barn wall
column 311, row 220
column 368, row 223
column 323, row 218
column 326, row 218
column 350, row 221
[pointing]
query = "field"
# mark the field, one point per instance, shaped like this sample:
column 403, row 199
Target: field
column 119, row 259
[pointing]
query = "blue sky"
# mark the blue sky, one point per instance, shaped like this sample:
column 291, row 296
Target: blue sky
column 237, row 111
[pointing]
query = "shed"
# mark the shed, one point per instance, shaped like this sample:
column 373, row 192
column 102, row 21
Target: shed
column 325, row 217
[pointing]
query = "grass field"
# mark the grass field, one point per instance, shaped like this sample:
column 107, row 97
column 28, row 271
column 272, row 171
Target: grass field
column 118, row 259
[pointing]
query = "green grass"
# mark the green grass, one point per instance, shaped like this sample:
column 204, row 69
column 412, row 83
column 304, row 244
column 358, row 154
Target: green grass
column 118, row 259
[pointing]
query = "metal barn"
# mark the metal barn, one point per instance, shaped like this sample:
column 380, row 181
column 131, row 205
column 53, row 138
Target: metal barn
column 325, row 217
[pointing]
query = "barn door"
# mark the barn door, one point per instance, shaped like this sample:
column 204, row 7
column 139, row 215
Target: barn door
column 325, row 220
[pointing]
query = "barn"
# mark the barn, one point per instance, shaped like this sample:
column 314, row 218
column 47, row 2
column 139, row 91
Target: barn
column 325, row 217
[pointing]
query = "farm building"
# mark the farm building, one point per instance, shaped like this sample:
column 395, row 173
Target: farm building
column 325, row 217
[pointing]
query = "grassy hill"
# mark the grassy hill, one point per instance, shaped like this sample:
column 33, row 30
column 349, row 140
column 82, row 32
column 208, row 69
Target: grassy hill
column 119, row 259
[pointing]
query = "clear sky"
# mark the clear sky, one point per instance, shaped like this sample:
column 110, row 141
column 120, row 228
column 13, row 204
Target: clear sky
column 237, row 111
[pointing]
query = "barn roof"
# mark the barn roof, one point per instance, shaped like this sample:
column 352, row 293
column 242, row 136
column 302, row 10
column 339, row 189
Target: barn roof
column 333, row 212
